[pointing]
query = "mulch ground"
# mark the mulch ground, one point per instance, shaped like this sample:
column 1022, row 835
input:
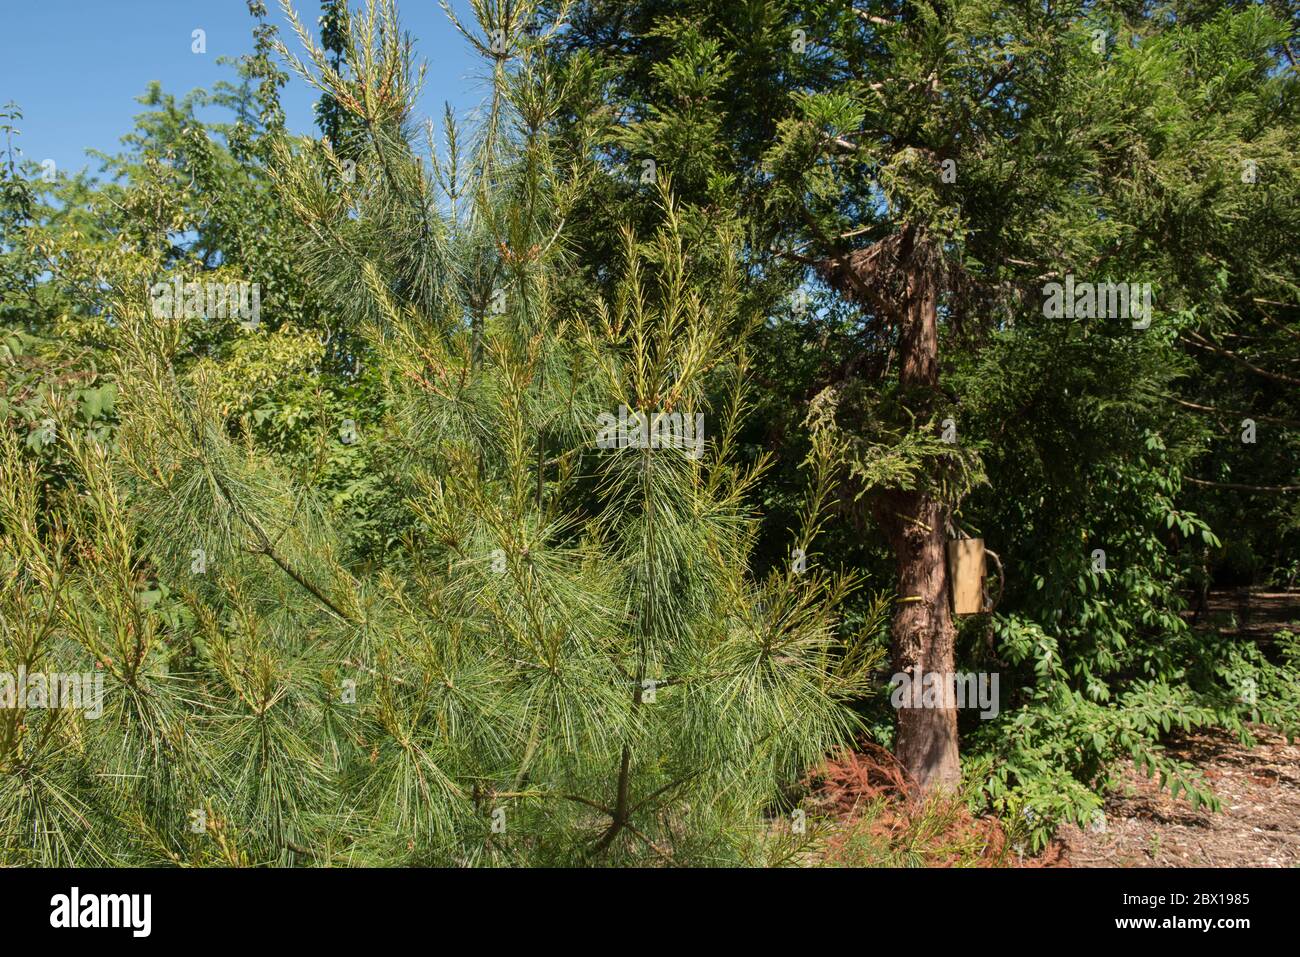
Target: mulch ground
column 1259, row 825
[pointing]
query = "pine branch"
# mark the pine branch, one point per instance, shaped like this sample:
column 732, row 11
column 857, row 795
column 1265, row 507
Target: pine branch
column 1274, row 420
column 1237, row 486
column 1201, row 343
column 265, row 547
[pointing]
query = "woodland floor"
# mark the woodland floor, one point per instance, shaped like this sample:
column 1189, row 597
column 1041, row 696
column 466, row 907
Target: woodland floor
column 1259, row 824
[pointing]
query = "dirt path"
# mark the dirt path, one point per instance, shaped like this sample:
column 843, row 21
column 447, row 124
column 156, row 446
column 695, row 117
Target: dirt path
column 1259, row 825
column 1255, row 613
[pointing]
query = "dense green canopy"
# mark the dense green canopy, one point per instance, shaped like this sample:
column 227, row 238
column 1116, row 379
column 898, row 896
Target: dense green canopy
column 547, row 490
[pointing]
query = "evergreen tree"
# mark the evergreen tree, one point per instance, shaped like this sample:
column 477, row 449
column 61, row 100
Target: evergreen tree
column 564, row 659
column 472, row 547
column 929, row 168
column 336, row 123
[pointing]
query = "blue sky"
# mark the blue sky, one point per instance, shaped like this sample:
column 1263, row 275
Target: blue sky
column 75, row 67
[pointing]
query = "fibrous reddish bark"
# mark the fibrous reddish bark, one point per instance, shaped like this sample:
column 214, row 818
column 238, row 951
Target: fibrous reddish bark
column 900, row 278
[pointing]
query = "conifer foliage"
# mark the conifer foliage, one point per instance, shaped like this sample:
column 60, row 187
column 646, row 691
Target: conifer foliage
column 564, row 482
column 563, row 657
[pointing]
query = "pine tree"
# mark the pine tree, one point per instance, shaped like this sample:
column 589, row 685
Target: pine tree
column 562, row 657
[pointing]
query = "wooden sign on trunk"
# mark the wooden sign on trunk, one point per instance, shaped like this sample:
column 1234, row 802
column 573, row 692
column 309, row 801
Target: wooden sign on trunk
column 966, row 571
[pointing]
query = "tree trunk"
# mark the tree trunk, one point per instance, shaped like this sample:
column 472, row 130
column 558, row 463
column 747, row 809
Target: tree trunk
column 899, row 278
column 922, row 636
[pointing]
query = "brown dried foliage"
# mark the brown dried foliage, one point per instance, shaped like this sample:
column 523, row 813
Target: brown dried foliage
column 865, row 791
